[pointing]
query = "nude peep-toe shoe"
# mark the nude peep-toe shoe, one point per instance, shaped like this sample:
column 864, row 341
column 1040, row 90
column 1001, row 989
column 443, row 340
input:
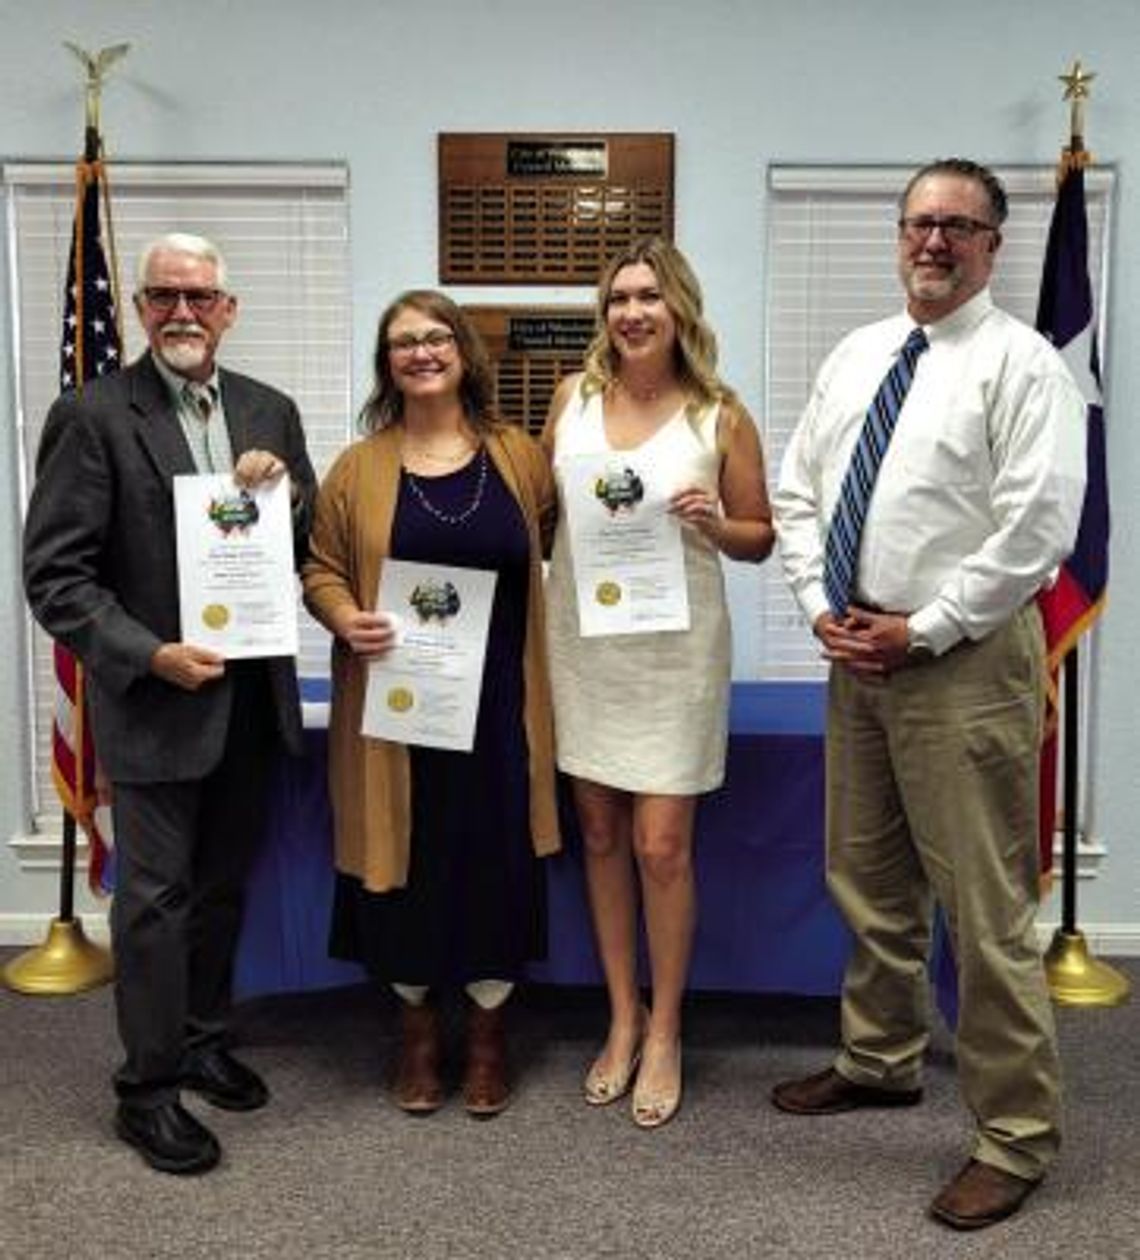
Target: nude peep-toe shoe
column 654, row 1107
column 602, row 1088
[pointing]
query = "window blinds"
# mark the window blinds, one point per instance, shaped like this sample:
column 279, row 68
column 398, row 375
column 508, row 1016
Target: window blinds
column 284, row 232
column 830, row 266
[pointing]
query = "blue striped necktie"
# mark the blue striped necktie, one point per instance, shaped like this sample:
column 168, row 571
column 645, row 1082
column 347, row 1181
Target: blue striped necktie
column 841, row 556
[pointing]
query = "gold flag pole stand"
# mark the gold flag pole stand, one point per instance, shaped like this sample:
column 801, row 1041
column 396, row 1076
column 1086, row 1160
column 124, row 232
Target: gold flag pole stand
column 67, row 962
column 1074, row 976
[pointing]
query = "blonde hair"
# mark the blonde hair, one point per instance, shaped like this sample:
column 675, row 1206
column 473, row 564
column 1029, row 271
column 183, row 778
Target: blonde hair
column 695, row 347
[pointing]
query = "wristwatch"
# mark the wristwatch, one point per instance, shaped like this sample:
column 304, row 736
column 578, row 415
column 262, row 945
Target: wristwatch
column 917, row 649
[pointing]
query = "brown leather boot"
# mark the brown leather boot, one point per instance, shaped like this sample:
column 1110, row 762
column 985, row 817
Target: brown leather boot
column 486, row 1090
column 418, row 1088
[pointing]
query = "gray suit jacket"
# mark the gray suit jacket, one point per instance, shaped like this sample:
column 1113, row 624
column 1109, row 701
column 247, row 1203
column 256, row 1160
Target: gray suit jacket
column 100, row 570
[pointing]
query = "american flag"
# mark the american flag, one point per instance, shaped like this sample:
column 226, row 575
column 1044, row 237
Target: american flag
column 1065, row 314
column 90, row 346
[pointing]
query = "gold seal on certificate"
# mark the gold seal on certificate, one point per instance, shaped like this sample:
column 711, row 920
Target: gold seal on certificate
column 216, row 616
column 400, row 699
column 608, row 594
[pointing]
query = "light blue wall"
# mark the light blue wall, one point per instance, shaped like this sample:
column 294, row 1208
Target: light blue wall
column 740, row 83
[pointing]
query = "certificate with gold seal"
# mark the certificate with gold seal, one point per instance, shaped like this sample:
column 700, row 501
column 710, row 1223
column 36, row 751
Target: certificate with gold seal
column 629, row 560
column 426, row 690
column 236, row 586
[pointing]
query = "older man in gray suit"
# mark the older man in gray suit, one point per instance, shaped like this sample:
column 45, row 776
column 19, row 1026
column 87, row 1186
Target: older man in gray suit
column 186, row 738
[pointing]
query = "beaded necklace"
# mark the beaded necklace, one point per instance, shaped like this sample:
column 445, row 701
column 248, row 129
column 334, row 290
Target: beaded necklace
column 453, row 518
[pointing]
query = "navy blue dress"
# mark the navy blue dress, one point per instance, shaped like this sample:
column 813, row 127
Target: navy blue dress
column 474, row 906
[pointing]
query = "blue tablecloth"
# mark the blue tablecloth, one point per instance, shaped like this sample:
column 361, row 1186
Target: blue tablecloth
column 766, row 922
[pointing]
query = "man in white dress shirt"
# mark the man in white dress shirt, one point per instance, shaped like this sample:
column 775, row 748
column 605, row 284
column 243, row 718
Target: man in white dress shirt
column 935, row 696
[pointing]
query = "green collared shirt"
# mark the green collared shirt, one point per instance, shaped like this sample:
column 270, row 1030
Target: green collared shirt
column 204, row 426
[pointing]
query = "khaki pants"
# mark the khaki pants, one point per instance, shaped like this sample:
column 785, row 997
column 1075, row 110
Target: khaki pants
column 932, row 793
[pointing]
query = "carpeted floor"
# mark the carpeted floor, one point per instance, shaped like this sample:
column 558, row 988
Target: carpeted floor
column 330, row 1169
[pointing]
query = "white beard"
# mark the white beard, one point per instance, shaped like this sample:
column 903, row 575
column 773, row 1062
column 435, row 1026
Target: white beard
column 184, row 355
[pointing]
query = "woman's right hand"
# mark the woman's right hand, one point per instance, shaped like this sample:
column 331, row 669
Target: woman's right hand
column 368, row 634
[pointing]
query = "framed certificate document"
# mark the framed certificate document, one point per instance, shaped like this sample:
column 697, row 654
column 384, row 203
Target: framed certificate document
column 629, row 560
column 426, row 689
column 236, row 585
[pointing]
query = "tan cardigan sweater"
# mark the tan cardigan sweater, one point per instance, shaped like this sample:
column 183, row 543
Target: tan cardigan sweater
column 369, row 779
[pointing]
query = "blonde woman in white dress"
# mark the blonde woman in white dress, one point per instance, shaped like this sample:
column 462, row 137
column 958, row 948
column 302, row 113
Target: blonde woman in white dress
column 641, row 720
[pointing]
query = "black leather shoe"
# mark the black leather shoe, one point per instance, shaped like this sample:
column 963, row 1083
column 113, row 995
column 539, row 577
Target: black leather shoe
column 222, row 1080
column 168, row 1137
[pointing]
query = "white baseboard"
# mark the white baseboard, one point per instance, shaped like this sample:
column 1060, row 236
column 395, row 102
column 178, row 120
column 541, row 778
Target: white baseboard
column 31, row 929
column 1105, row 940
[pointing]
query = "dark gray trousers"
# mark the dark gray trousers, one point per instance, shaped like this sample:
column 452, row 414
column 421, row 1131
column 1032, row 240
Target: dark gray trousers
column 183, row 851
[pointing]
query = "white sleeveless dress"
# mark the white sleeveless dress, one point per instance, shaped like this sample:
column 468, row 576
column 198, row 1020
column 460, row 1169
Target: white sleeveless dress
column 643, row 712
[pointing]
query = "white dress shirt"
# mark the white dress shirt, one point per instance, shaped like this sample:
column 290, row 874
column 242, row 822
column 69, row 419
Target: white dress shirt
column 979, row 495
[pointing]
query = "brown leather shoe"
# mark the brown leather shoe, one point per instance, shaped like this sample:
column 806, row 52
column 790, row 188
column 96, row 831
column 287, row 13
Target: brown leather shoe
column 418, row 1088
column 827, row 1093
column 980, row 1195
column 486, row 1090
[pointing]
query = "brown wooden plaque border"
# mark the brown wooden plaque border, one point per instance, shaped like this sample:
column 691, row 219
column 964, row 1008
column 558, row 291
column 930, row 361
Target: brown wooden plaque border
column 533, row 208
column 532, row 348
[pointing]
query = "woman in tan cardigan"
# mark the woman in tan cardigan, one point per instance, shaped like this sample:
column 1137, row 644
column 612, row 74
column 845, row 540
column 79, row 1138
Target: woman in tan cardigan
column 438, row 880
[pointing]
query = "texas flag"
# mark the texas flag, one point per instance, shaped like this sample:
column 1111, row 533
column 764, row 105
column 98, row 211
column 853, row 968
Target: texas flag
column 1066, row 316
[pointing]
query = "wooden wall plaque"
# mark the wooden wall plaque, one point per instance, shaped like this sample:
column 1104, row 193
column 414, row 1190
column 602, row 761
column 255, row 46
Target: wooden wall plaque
column 548, row 208
column 532, row 348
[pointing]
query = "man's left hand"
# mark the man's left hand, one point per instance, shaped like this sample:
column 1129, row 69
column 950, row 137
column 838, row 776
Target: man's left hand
column 256, row 468
column 883, row 641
